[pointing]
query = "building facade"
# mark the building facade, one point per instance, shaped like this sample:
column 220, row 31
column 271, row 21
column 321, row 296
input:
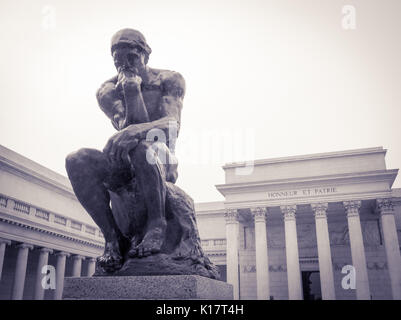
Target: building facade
column 323, row 226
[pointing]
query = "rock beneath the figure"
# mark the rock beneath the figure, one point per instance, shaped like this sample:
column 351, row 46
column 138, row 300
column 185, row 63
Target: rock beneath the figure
column 181, row 252
column 163, row 264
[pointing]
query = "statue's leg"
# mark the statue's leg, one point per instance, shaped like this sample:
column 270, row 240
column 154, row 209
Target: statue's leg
column 87, row 170
column 149, row 172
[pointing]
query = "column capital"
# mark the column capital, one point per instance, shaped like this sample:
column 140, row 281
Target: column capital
column 289, row 211
column 352, row 208
column 25, row 246
column 7, row 242
column 385, row 206
column 62, row 254
column 231, row 215
column 91, row 259
column 78, row 257
column 48, row 250
column 259, row 213
column 320, row 209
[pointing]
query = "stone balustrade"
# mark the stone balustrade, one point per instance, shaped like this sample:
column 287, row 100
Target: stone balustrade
column 56, row 220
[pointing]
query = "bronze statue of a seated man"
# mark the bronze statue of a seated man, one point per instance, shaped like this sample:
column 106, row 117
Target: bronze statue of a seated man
column 139, row 101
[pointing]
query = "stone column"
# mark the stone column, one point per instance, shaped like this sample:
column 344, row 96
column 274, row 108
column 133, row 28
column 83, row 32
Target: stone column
column 91, row 267
column 60, row 271
column 77, row 265
column 386, row 209
column 357, row 250
column 262, row 260
column 324, row 251
column 43, row 260
column 20, row 271
column 232, row 233
column 291, row 250
column 3, row 243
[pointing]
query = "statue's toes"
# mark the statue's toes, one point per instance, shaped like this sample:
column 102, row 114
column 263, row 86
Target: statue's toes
column 133, row 252
column 147, row 252
column 116, row 262
column 140, row 251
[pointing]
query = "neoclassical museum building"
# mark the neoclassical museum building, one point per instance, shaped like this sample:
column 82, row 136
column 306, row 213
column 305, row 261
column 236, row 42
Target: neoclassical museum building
column 320, row 226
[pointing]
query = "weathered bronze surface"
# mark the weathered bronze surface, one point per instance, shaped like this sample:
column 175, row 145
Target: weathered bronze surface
column 128, row 188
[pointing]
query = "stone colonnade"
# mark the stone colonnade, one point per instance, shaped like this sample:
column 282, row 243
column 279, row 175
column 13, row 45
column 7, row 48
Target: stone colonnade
column 21, row 267
column 352, row 208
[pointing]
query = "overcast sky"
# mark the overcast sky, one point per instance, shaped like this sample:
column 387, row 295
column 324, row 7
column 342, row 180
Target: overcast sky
column 264, row 78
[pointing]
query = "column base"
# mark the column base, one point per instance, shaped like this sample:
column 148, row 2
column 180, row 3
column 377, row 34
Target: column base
column 179, row 287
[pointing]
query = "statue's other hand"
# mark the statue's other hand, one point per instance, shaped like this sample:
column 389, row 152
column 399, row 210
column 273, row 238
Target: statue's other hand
column 121, row 144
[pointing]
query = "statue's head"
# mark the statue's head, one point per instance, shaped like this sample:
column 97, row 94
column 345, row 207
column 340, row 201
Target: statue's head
column 129, row 50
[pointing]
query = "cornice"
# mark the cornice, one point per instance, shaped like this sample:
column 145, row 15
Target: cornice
column 314, row 181
column 217, row 213
column 316, row 156
column 59, row 235
column 49, row 226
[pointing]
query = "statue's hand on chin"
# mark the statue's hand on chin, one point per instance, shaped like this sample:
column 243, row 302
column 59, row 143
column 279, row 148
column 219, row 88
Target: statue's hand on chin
column 132, row 83
column 128, row 81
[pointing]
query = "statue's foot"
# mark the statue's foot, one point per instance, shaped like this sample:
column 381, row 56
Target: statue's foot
column 111, row 260
column 135, row 240
column 185, row 250
column 151, row 243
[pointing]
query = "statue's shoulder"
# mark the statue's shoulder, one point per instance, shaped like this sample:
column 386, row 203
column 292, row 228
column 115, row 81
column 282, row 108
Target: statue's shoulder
column 172, row 82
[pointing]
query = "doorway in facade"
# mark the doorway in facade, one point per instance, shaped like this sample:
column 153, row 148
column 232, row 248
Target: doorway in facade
column 311, row 285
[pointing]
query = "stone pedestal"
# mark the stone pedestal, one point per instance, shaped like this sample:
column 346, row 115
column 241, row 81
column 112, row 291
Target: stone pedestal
column 178, row 287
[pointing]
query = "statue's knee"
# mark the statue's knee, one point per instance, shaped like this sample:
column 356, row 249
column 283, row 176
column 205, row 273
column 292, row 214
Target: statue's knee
column 71, row 160
column 77, row 159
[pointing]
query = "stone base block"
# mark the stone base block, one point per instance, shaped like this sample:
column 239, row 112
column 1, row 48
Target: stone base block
column 178, row 287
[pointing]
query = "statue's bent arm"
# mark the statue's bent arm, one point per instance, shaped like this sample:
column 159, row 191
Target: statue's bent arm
column 170, row 107
column 171, row 104
column 135, row 108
